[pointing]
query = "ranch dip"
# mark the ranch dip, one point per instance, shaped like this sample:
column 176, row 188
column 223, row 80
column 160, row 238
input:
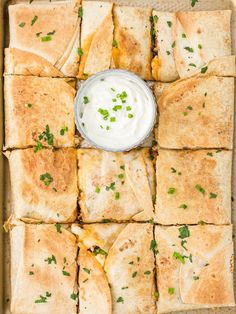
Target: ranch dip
column 115, row 110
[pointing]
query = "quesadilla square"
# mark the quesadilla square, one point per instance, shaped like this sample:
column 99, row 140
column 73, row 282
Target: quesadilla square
column 200, row 37
column 116, row 268
column 132, row 40
column 194, row 267
column 163, row 64
column 48, row 33
column 197, row 113
column 96, row 37
column 38, row 112
column 193, row 186
column 43, row 270
column 110, row 185
column 44, row 185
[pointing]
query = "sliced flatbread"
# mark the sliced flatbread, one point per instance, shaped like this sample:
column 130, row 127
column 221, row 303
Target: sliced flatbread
column 194, row 267
column 193, row 186
column 35, row 105
column 110, row 185
column 43, row 270
column 197, row 113
column 44, row 185
column 96, row 37
column 132, row 40
column 47, row 30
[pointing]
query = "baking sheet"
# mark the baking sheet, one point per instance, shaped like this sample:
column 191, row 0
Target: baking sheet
column 162, row 5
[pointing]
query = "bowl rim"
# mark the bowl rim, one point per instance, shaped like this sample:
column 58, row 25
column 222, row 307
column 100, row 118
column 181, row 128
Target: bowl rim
column 84, row 86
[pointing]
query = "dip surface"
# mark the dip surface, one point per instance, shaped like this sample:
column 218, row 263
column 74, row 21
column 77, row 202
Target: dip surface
column 115, row 110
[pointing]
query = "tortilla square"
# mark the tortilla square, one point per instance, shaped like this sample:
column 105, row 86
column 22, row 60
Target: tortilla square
column 197, row 112
column 194, row 267
column 49, row 32
column 44, row 185
column 96, row 37
column 43, row 269
column 116, row 268
column 132, row 45
column 193, row 186
column 110, row 185
column 35, row 106
column 163, row 64
column 199, row 38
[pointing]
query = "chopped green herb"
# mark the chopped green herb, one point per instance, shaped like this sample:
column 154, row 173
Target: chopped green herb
column 97, row 189
column 134, row 274
column 218, row 151
column 178, row 256
column 28, row 105
column 153, row 246
column 122, row 167
column 100, row 251
column 130, row 116
column 128, row 108
column 80, row 51
column 188, row 49
column 58, row 227
column 117, row 195
column 114, row 43
column 192, row 65
column 199, row 188
column 151, row 221
column 86, row 100
column 168, row 52
column 183, row 35
column 155, row 18
column 87, row 270
column 47, row 136
column 46, row 178
column 43, row 299
column 38, row 147
column 199, row 46
column 117, row 107
column 184, row 206
column 51, row 260
column 210, row 154
column 65, row 273
column 173, row 44
column 120, row 300
column 171, row 291
column 213, row 195
column 38, row 34
column 31, row 273
column 63, row 130
column 121, row 176
column 173, row 170
column 190, row 108
column 104, row 113
column 80, row 12
column 169, row 23
column 123, row 288
column 195, row 277
column 51, row 33
column 184, row 232
column 74, row 296
column 171, row 190
column 46, row 38
column 106, row 221
column 203, row 70
column 112, row 119
column 201, row 222
column 193, row 2
column 22, row 24
column 147, row 272
column 112, row 186
column 34, row 20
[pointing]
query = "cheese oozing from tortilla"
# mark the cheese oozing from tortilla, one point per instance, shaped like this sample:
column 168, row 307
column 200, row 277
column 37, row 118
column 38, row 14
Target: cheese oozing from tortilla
column 116, row 111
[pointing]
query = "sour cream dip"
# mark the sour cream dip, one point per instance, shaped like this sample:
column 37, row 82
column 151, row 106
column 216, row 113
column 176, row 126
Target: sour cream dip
column 115, row 110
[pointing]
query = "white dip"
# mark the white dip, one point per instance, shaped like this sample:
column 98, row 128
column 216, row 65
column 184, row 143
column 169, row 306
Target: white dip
column 115, row 111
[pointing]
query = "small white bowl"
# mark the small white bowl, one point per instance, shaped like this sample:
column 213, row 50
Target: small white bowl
column 100, row 75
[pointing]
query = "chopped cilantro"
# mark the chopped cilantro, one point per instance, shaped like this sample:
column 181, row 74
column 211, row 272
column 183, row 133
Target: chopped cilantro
column 178, row 256
column 46, row 38
column 46, row 178
column 74, row 296
column 34, row 20
column 117, row 195
column 86, row 100
column 97, row 189
column 188, row 49
column 193, row 2
column 184, row 206
column 22, row 24
column 117, row 107
column 65, row 273
column 130, row 116
column 183, row 35
column 153, row 246
column 51, row 260
column 114, row 43
column 134, row 274
column 47, row 136
column 199, row 46
column 184, row 232
column 120, row 300
column 199, row 188
column 80, row 12
column 112, row 186
column 80, row 52
column 169, row 23
column 112, row 119
column 171, row 190
column 100, row 251
column 58, row 227
column 203, row 70
column 87, row 270
column 171, row 291
column 147, row 272
column 213, row 195
column 63, row 130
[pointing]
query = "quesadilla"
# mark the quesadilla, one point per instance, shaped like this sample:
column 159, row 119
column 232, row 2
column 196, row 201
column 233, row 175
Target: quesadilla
column 194, row 267
column 38, row 111
column 44, row 185
column 132, row 40
column 199, row 38
column 96, row 37
column 163, row 64
column 193, row 186
column 110, row 185
column 43, row 270
column 49, row 32
column 116, row 268
column 197, row 112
